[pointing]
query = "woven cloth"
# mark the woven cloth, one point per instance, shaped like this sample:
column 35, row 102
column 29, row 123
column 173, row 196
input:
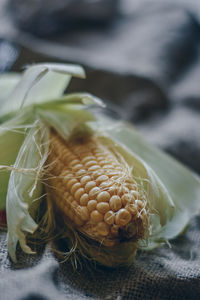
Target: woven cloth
column 164, row 273
column 149, row 69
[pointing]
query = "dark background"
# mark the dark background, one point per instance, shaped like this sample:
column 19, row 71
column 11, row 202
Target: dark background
column 143, row 59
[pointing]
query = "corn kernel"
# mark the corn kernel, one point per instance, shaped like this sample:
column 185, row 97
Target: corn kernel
column 96, row 216
column 84, row 199
column 103, row 197
column 109, row 217
column 103, row 207
column 115, row 203
column 92, row 205
column 122, row 217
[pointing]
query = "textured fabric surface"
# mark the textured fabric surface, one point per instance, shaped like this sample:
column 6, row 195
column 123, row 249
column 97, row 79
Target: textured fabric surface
column 164, row 273
column 147, row 65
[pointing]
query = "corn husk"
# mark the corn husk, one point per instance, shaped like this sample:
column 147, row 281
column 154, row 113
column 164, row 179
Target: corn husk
column 37, row 104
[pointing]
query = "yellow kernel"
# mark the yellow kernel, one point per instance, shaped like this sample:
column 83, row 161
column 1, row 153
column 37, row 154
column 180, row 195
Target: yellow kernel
column 101, row 178
column 84, row 199
column 103, row 207
column 73, row 162
column 66, row 173
column 85, row 179
column 90, row 163
column 84, row 213
column 89, row 185
column 123, row 190
column 71, row 182
column 126, row 198
column 122, row 217
column 81, row 172
column 77, row 167
column 108, row 167
column 103, row 161
column 102, row 229
column 66, row 177
column 97, row 173
column 91, row 205
column 100, row 157
column 109, row 217
column 96, row 216
column 132, row 209
column 113, row 173
column 88, row 158
column 103, row 197
column 113, row 190
column 93, row 168
column 115, row 203
column 75, row 187
column 94, row 192
column 79, row 193
column 106, row 185
column 139, row 204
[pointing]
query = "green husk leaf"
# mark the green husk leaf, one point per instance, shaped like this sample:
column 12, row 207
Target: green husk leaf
column 12, row 134
column 8, row 82
column 65, row 120
column 40, row 83
column 68, row 113
column 25, row 187
column 74, row 98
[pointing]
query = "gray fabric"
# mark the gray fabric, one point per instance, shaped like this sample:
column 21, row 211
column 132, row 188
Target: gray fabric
column 165, row 273
column 46, row 17
column 147, row 66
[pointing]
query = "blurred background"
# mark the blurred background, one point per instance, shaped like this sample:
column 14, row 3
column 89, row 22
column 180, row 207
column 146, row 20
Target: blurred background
column 141, row 56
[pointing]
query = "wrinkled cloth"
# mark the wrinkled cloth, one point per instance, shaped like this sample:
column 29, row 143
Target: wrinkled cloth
column 147, row 68
column 47, row 17
column 164, row 273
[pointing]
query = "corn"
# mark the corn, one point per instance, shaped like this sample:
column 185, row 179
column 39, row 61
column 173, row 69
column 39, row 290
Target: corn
column 93, row 190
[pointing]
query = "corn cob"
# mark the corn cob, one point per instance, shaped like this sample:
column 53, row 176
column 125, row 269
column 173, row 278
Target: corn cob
column 92, row 188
